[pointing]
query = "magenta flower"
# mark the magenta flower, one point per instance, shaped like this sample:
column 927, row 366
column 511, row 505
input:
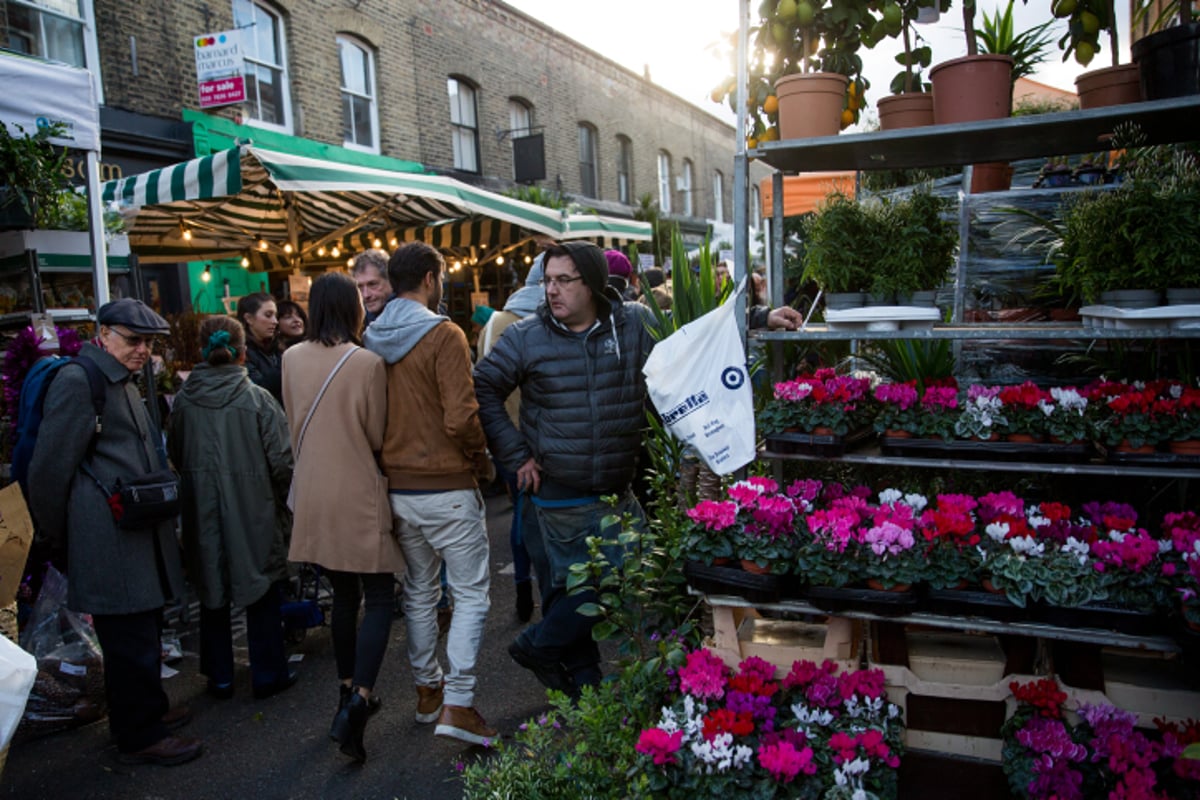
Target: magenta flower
column 659, row 744
column 714, row 515
column 785, row 762
column 703, row 676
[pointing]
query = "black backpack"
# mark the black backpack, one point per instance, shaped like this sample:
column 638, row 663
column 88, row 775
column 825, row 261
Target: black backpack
column 31, row 405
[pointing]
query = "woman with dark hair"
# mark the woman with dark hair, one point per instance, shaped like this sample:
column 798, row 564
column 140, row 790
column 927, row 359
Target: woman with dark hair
column 293, row 322
column 257, row 313
column 229, row 441
column 336, row 396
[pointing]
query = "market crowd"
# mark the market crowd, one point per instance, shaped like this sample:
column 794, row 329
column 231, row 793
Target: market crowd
column 354, row 437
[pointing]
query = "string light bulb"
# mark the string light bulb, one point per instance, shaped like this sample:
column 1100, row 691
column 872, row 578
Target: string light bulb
column 378, row 243
column 500, row 261
column 287, row 248
column 245, row 261
column 528, row 260
column 186, row 232
column 206, row 276
column 349, row 262
column 262, row 244
column 321, row 251
column 394, row 242
column 335, row 252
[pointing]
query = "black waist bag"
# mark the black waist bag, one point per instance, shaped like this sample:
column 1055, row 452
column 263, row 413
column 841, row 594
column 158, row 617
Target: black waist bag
column 146, row 501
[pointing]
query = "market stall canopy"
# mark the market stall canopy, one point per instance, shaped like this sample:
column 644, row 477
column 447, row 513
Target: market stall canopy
column 278, row 209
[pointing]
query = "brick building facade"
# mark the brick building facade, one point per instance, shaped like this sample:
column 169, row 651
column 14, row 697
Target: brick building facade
column 610, row 135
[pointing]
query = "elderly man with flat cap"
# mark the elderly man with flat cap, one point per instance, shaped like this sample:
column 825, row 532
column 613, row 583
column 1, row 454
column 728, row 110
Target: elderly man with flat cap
column 578, row 363
column 123, row 578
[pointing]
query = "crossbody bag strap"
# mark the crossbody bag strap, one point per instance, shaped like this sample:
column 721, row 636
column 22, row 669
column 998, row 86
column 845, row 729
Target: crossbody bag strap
column 320, row 394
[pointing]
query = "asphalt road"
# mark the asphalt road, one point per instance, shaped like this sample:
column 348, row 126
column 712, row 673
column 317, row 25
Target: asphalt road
column 279, row 747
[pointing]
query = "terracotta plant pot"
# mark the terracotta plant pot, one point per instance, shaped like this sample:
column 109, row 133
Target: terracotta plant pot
column 1126, row 447
column 1111, row 86
column 811, row 104
column 1188, row 447
column 972, row 88
column 913, row 110
column 896, row 433
column 877, row 585
column 753, row 567
column 994, row 176
column 1023, row 438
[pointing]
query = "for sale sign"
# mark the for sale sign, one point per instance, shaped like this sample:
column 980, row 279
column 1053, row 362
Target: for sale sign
column 219, row 67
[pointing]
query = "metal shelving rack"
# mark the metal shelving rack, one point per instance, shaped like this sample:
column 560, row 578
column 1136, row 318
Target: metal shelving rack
column 1070, row 132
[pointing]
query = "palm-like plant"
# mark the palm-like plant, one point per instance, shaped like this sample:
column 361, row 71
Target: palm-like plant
column 1028, row 48
column 691, row 296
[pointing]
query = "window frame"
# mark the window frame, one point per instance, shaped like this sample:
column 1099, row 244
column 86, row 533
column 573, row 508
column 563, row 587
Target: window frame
column 589, row 167
column 519, row 106
column 664, row 182
column 461, row 132
column 687, row 177
column 279, row 30
column 87, row 23
column 343, row 39
column 719, row 195
column 624, row 169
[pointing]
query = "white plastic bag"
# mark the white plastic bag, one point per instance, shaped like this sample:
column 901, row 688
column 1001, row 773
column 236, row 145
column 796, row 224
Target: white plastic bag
column 17, row 672
column 698, row 381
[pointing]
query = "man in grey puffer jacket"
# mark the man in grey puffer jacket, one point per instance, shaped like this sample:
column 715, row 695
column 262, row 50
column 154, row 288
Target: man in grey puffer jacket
column 578, row 363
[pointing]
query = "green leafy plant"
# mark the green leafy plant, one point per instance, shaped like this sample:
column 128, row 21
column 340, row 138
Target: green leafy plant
column 841, row 245
column 32, row 170
column 917, row 241
column 915, row 57
column 1140, row 235
column 1027, row 48
column 692, row 296
column 918, row 360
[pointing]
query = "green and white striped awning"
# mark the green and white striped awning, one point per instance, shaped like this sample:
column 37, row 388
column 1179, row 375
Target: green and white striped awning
column 280, row 209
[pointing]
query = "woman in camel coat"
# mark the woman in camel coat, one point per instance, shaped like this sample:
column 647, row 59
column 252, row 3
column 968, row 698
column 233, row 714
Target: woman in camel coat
column 343, row 521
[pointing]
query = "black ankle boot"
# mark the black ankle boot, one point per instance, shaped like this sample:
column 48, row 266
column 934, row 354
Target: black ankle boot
column 337, row 731
column 524, row 600
column 349, row 725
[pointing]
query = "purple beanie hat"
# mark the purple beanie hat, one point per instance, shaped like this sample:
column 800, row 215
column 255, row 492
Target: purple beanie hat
column 618, row 264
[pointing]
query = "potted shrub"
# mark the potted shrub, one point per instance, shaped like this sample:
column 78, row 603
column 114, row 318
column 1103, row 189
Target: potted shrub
column 1026, row 409
column 916, row 246
column 1139, row 235
column 709, row 536
column 982, row 416
column 910, row 104
column 32, row 170
column 949, row 527
column 841, row 249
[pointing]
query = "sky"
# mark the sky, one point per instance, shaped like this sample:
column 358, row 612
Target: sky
column 677, row 39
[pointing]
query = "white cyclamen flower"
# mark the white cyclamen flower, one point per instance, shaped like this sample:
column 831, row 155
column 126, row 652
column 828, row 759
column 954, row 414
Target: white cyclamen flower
column 996, row 531
column 1027, row 546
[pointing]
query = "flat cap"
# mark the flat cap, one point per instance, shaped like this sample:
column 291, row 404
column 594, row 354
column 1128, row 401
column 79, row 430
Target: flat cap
column 134, row 315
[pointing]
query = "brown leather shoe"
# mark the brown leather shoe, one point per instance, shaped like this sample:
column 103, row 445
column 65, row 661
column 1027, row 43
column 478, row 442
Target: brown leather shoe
column 465, row 724
column 429, row 702
column 177, row 717
column 166, row 752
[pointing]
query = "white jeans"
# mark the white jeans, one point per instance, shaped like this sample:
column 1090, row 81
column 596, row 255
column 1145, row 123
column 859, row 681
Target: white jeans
column 433, row 527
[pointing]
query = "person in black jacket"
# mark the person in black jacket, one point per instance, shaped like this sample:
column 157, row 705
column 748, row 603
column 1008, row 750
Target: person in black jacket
column 264, row 363
column 578, row 363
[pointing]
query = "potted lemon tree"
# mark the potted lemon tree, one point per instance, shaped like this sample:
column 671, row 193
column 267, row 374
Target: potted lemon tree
column 805, row 72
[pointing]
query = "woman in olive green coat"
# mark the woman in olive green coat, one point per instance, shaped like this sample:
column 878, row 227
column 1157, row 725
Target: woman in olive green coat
column 228, row 438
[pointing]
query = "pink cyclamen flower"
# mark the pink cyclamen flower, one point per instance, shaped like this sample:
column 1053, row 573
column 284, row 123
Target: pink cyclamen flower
column 714, row 515
column 703, row 676
column 660, row 745
column 784, row 761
